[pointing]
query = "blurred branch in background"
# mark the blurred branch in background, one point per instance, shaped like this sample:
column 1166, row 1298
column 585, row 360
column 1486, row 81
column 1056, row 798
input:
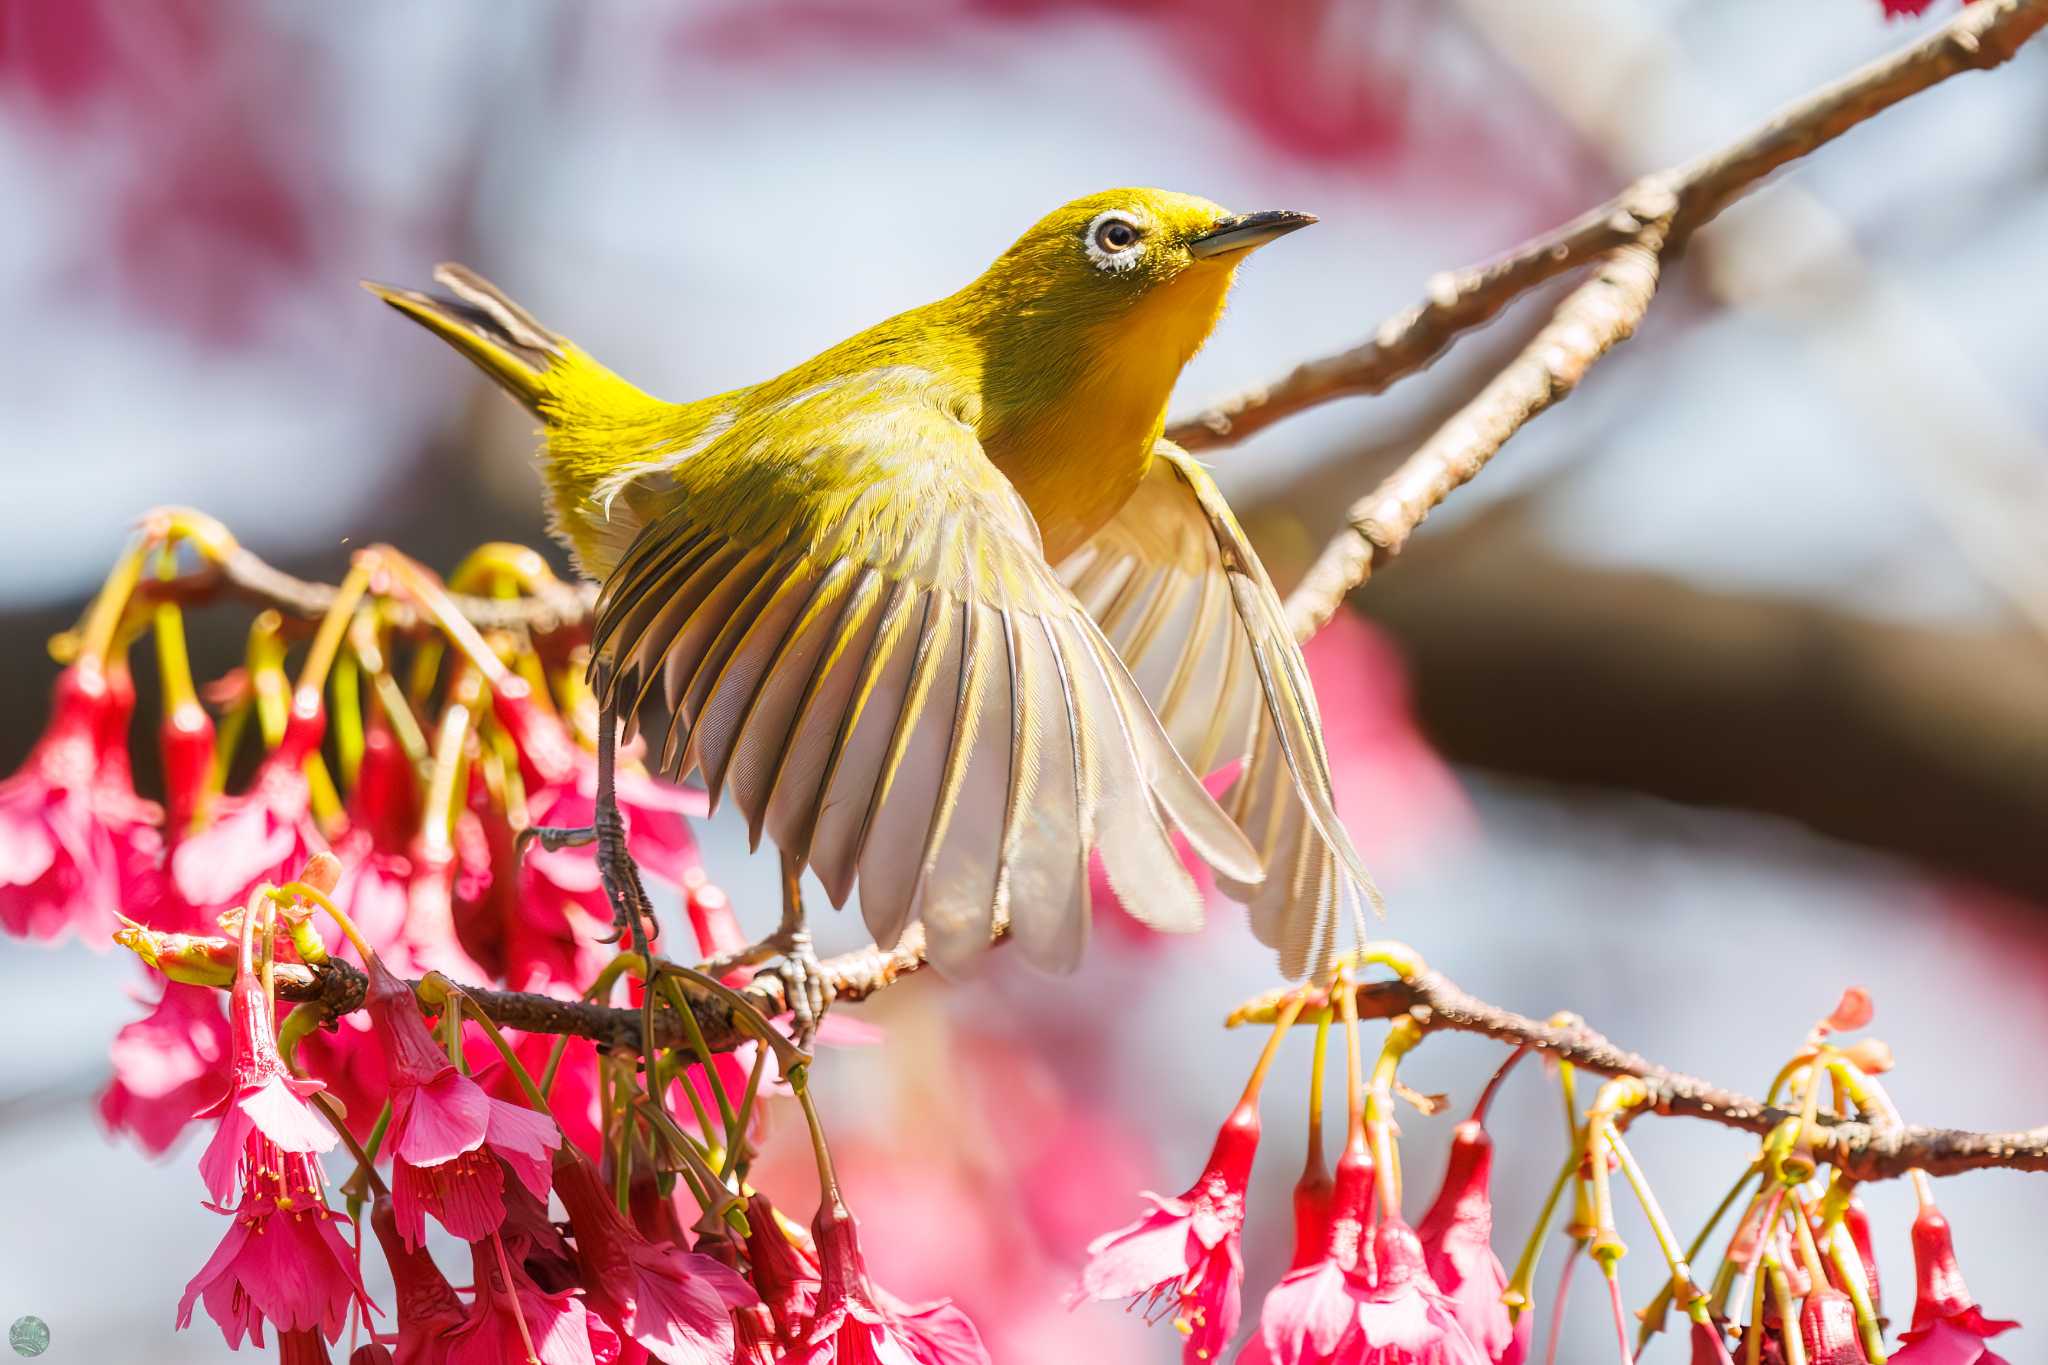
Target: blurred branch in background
column 1965, row 447
column 1926, row 741
column 1983, row 36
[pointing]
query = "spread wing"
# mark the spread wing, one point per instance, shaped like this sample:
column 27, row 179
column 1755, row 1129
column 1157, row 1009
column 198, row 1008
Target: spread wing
column 1179, row 592
column 850, row 618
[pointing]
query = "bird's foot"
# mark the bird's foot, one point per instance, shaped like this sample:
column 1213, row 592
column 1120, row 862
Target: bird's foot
column 555, row 837
column 805, row 985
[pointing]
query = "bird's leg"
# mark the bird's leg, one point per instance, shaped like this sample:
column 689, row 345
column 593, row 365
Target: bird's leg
column 805, row 985
column 632, row 911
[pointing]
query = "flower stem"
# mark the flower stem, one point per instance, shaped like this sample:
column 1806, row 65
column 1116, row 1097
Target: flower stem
column 1289, row 1012
column 1667, row 1242
column 327, row 639
column 422, row 589
column 694, row 1033
column 828, row 1180
column 365, row 1163
column 512, row 1298
column 1315, row 1165
column 300, row 891
column 1402, row 1036
column 347, row 711
column 268, row 688
column 103, row 618
column 1620, row 1314
column 1789, row 1339
column 736, row 1148
column 1653, row 1315
column 1523, row 1283
column 1564, row 1293
column 1493, row 1084
column 469, row 1006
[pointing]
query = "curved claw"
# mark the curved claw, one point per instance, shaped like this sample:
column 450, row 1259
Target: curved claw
column 806, row 987
column 553, row 838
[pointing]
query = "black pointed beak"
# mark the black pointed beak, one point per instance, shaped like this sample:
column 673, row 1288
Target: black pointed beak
column 1247, row 230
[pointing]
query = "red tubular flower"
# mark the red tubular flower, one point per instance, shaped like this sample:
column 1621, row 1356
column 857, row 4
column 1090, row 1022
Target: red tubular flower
column 1404, row 1320
column 1457, row 1243
column 186, row 740
column 1948, row 1326
column 1857, row 1219
column 1708, row 1347
column 168, row 1065
column 1310, row 1316
column 450, row 1141
column 1827, row 1324
column 76, row 842
column 302, row 1348
column 508, row 1314
column 859, row 1323
column 267, row 1134
column 677, row 1305
column 283, row 1260
column 1183, row 1256
column 264, row 834
column 428, row 1308
column 786, row 1280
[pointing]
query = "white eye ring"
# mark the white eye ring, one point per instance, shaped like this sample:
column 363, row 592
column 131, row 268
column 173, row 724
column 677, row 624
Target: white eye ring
column 1103, row 252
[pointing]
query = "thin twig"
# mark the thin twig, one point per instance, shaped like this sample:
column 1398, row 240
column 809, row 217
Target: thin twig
column 1982, row 36
column 1596, row 317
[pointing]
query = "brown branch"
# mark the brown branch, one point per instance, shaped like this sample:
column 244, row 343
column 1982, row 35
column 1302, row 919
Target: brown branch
column 854, row 976
column 1983, row 36
column 243, row 575
column 1863, row 1151
column 1596, row 317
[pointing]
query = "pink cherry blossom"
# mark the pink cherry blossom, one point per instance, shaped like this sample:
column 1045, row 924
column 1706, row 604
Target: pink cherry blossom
column 263, row 834
column 77, row 845
column 1457, row 1242
column 283, row 1260
column 267, row 1134
column 168, row 1065
column 1182, row 1258
column 451, row 1142
column 675, row 1304
column 507, row 1313
column 856, row 1322
column 1948, row 1326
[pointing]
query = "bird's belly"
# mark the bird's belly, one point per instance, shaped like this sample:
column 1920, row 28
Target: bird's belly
column 1072, row 501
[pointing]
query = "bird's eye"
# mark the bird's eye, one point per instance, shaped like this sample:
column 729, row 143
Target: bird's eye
column 1114, row 234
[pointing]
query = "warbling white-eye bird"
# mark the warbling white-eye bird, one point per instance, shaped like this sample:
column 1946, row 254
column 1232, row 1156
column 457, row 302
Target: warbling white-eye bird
column 941, row 608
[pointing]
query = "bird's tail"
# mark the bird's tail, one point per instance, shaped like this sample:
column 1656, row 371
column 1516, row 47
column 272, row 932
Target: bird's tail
column 498, row 336
column 598, row 424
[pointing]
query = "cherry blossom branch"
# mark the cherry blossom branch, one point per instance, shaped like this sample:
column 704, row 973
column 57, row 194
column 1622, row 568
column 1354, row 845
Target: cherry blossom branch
column 242, row 574
column 1981, row 37
column 1596, row 317
column 340, row 987
column 1862, row 1151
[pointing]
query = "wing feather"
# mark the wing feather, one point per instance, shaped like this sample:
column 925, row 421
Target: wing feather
column 1181, row 596
column 849, row 613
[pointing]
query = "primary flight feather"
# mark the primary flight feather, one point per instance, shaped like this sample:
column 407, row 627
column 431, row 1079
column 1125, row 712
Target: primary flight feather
column 942, row 610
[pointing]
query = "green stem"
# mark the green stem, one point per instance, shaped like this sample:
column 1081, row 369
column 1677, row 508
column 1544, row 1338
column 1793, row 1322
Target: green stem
column 347, row 712
column 1523, row 1283
column 735, row 1149
column 694, row 1033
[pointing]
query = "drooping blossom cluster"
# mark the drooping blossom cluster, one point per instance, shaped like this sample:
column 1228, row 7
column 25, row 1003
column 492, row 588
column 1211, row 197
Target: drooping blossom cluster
column 1798, row 1280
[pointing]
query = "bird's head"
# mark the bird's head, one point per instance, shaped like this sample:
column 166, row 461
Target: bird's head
column 1129, row 255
